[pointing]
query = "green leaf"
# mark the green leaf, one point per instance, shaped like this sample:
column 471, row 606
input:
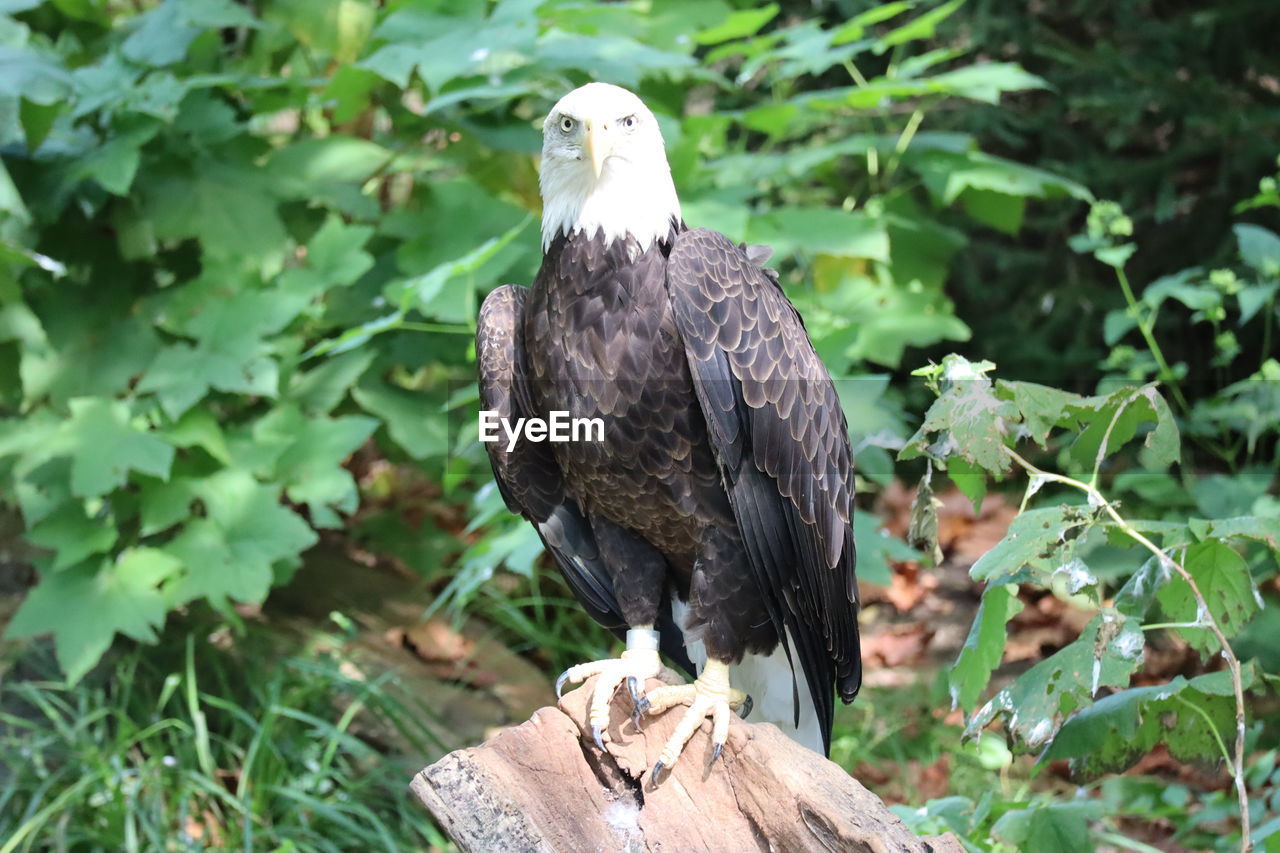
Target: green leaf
column 415, row 421
column 310, row 165
column 182, row 375
column 855, row 27
column 26, row 73
column 229, row 207
column 105, row 445
column 608, row 57
column 947, row 174
column 336, row 252
column 1035, row 535
column 1053, row 828
column 999, row 210
column 820, row 230
column 1259, row 528
column 1223, row 578
column 922, row 27
column 337, row 28
column 739, row 24
column 230, row 554
column 321, row 389
column 1041, row 407
column 966, row 421
column 1107, row 653
column 1117, row 418
column 162, row 505
column 1119, row 729
column 98, row 349
column 876, row 547
column 73, row 534
column 310, row 467
column 984, row 647
column 1259, row 248
column 986, row 82
column 85, row 606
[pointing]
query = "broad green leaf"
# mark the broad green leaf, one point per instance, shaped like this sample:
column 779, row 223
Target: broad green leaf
column 1117, row 418
column 322, row 388
column 26, row 73
column 820, row 230
column 876, row 547
column 199, row 428
column 162, row 505
column 228, row 206
column 948, row 174
column 1106, row 654
column 967, row 420
column 1256, row 527
column 337, row 28
column 607, row 57
column 310, row 165
column 336, row 252
column 999, row 210
column 311, row 466
column 1222, row 577
column 230, row 553
column 86, row 606
column 105, row 444
column 1119, row 729
column 73, row 535
column 440, row 48
column 1035, row 536
column 987, row 81
column 1052, row 828
column 1041, row 407
column 922, row 27
column 984, row 647
column 855, row 27
column 98, row 349
column 415, row 420
column 1259, row 248
column 182, row 375
column 739, row 24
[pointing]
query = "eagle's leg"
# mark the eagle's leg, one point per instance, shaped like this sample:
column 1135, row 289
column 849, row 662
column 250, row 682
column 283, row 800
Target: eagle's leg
column 726, row 613
column 638, row 585
column 710, row 695
column 638, row 663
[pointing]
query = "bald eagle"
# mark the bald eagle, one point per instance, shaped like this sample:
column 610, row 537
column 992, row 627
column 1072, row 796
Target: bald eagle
column 713, row 521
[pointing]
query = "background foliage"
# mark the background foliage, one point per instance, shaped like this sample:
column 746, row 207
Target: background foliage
column 241, row 242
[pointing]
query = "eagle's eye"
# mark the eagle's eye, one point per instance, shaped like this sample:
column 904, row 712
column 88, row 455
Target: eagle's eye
column 629, row 122
column 566, row 124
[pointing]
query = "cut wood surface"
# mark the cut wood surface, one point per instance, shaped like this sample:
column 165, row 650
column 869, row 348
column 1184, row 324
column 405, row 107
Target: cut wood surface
column 544, row 786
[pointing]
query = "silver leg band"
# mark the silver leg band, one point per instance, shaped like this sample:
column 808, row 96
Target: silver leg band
column 642, row 639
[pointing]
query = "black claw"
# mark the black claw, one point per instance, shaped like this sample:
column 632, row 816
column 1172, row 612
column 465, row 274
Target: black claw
column 595, row 733
column 633, row 687
column 656, row 773
column 564, row 676
column 745, row 708
column 715, row 753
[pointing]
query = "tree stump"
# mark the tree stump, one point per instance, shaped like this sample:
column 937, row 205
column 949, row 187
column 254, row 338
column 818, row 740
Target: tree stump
column 543, row 786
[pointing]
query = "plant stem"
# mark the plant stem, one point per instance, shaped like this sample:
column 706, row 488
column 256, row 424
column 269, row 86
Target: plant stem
column 1146, row 325
column 1096, row 498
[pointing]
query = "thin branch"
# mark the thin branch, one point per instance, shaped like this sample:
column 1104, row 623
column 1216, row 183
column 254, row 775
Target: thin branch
column 1096, row 498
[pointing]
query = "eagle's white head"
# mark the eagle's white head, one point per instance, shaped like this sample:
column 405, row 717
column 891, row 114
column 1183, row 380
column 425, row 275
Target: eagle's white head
column 604, row 168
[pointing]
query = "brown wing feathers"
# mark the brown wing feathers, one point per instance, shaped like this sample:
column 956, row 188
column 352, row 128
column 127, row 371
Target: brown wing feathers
column 781, row 438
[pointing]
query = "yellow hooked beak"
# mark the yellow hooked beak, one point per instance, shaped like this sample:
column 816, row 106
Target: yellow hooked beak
column 598, row 145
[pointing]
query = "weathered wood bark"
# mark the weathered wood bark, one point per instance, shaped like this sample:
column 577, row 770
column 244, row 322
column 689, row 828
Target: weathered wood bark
column 543, row 786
